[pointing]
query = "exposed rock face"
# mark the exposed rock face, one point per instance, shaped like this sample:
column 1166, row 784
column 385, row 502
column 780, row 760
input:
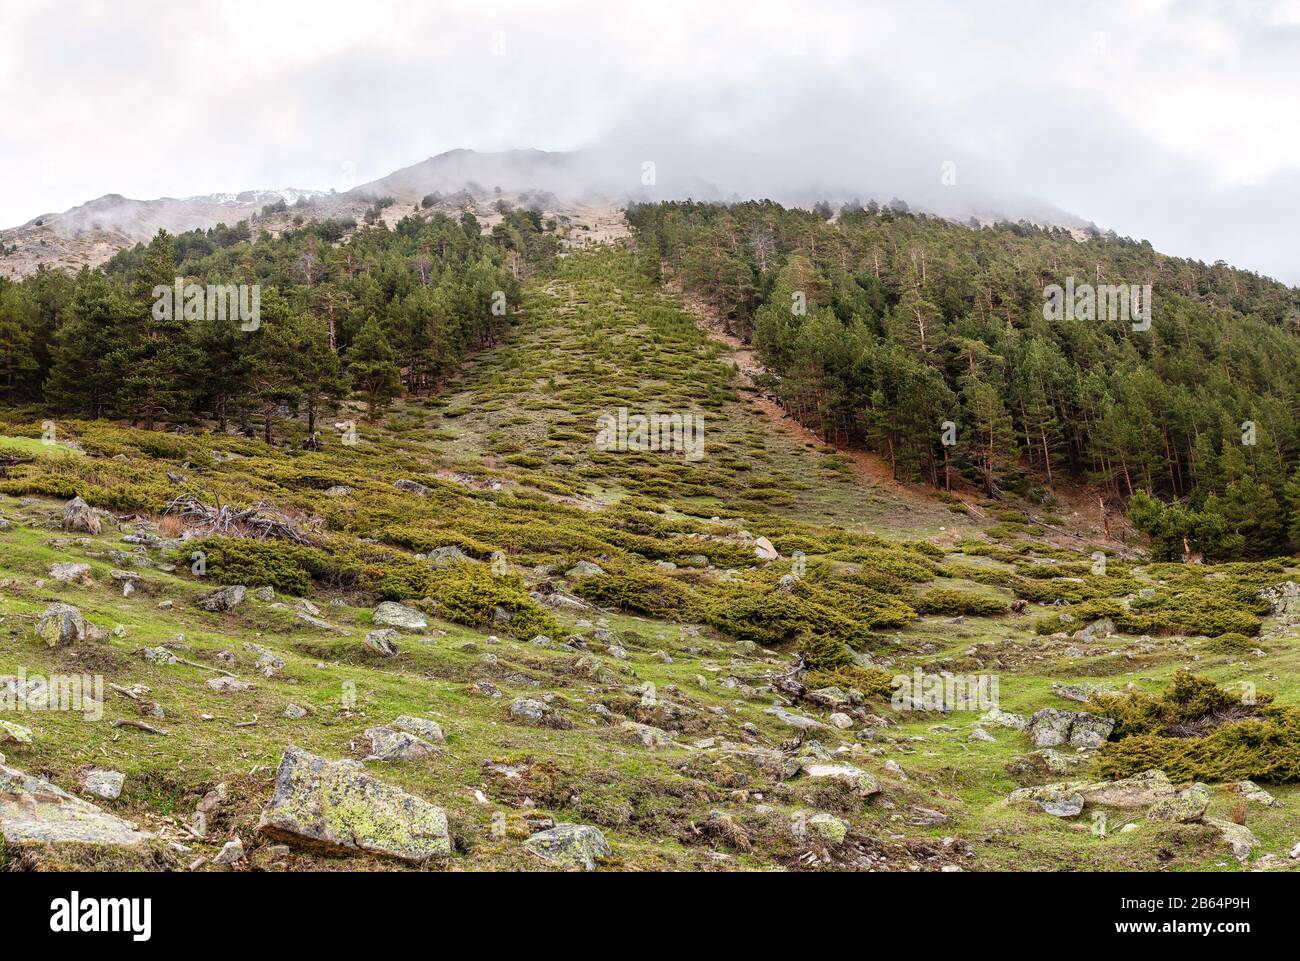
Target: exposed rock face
column 392, row 614
column 35, row 813
column 226, row 599
column 764, row 551
column 1051, row 727
column 80, row 517
column 336, row 806
column 61, row 625
column 570, row 845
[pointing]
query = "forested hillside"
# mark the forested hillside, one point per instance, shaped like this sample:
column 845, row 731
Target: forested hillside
column 880, row 325
column 335, row 315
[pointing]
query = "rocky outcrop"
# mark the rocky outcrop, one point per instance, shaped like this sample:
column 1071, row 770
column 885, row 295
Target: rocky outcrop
column 336, row 806
column 79, row 517
column 392, row 614
column 1051, row 727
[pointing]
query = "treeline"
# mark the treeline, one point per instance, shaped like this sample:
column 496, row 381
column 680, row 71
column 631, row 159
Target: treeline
column 368, row 312
column 881, row 325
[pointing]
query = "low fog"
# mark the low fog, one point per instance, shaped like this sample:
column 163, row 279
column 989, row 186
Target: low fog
column 1172, row 122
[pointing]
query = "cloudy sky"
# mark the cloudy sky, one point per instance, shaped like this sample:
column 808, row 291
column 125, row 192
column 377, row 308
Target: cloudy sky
column 1178, row 122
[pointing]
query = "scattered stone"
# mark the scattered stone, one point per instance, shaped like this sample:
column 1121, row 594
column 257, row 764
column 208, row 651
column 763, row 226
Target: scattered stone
column 228, row 685
column 380, row 643
column 1185, row 807
column 1240, row 839
column 429, row 730
column 392, row 614
column 764, row 551
column 295, row 713
column 338, row 490
column 387, row 744
column 1095, row 631
column 1063, row 806
column 68, row 573
column 829, row 828
column 650, row 737
column 411, row 487
column 797, row 721
column 979, row 734
column 159, row 655
column 336, row 806
column 11, row 733
column 1002, row 718
column 61, row 625
column 570, row 845
column 80, row 517
column 226, row 599
column 863, row 783
column 841, row 720
column 265, row 594
column 1051, row 727
column 529, row 711
column 1253, row 792
column 232, row 852
column 584, row 569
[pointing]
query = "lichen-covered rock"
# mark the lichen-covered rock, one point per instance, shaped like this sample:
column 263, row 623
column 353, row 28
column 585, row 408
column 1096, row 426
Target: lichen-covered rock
column 570, row 845
column 1240, row 839
column 387, row 744
column 1063, row 805
column 62, row 624
column 336, row 806
column 829, row 828
column 80, row 517
column 421, row 727
column 11, row 733
column 529, row 710
column 392, row 614
column 1095, row 631
column 228, row 685
column 411, row 487
column 650, row 737
column 1002, row 718
column 226, row 599
column 448, row 556
column 1185, row 807
column 1133, row 792
column 1051, row 727
column 584, row 569
column 69, row 572
column 104, row 783
column 380, row 643
column 35, row 813
column 1253, row 792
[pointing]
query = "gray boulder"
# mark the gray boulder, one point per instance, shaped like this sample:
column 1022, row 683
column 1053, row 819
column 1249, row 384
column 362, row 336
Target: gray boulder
column 392, row 614
column 226, row 599
column 336, row 806
column 80, row 517
column 389, row 745
column 62, row 624
column 570, row 845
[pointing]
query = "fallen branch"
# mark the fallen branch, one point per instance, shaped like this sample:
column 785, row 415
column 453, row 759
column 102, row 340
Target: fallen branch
column 259, row 520
column 140, row 725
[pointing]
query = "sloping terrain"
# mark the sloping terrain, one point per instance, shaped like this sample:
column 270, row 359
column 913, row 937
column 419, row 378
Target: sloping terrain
column 695, row 658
